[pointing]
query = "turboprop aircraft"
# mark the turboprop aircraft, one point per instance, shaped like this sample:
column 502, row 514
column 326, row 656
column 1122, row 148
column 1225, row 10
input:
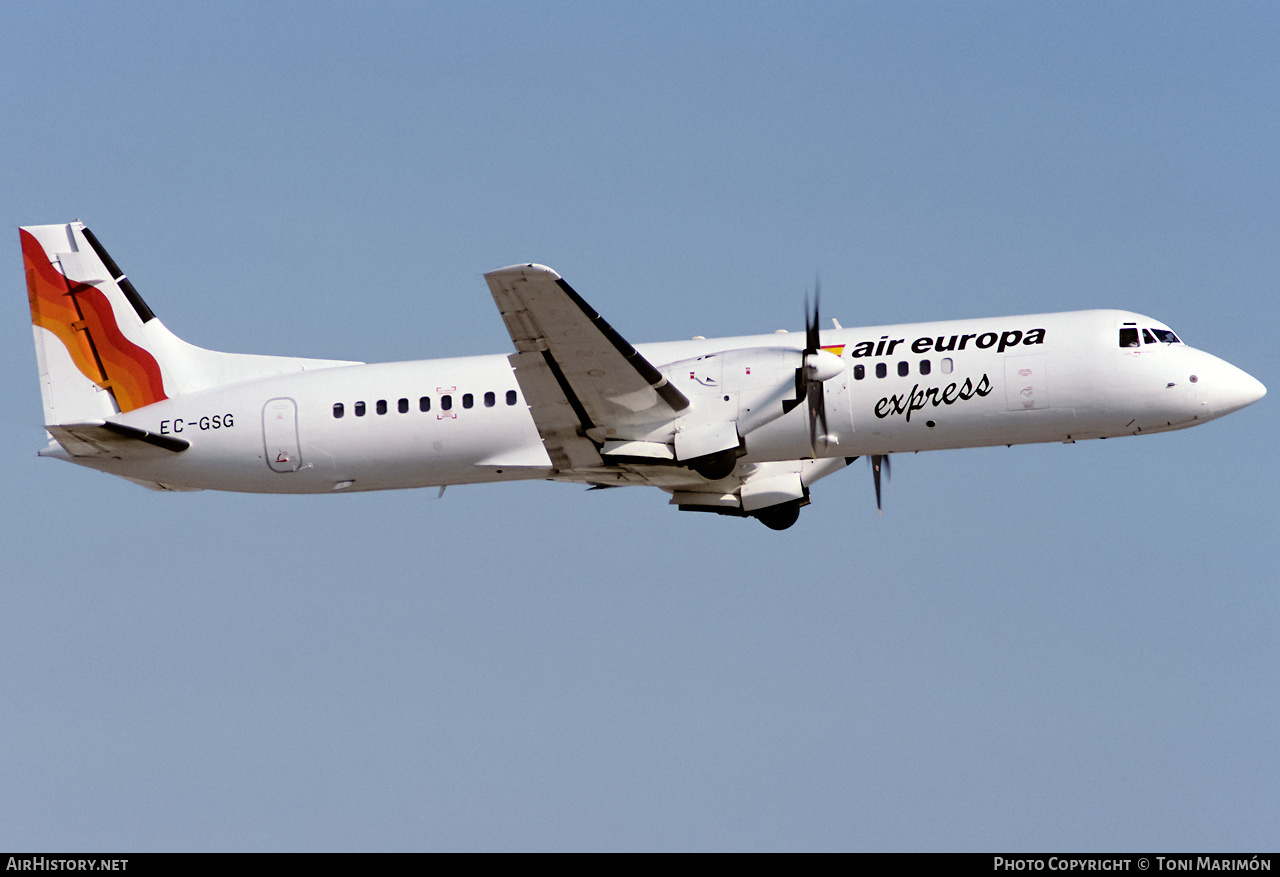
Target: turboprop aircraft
column 736, row 426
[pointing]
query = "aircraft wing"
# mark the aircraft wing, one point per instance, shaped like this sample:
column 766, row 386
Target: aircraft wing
column 577, row 373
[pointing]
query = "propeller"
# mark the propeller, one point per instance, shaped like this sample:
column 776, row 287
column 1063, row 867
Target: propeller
column 820, row 365
column 816, row 365
column 878, row 461
column 812, row 384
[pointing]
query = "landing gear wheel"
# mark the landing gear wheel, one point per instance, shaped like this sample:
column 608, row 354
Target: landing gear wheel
column 715, row 466
column 780, row 517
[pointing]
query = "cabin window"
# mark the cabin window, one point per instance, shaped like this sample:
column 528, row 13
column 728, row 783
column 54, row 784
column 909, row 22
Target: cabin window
column 511, row 397
column 382, row 406
column 337, row 409
column 859, row 372
column 904, row 369
column 359, row 409
column 403, row 406
column 881, row 370
column 490, row 400
column 947, row 365
column 1128, row 337
column 446, row 402
column 468, row 400
column 424, row 404
column 925, row 366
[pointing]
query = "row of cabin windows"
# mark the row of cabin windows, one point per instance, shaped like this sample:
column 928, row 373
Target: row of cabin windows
column 904, row 368
column 424, row 404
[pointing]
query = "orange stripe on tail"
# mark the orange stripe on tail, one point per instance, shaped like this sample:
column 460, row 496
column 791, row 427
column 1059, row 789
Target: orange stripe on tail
column 81, row 317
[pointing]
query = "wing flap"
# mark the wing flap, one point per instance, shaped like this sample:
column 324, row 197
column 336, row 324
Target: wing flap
column 608, row 380
column 556, row 412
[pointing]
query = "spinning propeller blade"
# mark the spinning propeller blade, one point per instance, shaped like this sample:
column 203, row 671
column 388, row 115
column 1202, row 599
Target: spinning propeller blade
column 811, row 381
column 877, row 461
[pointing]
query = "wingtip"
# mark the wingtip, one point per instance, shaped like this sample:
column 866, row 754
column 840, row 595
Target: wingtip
column 524, row 269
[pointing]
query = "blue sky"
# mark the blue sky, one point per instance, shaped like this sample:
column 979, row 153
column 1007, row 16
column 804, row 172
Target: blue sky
column 1038, row 648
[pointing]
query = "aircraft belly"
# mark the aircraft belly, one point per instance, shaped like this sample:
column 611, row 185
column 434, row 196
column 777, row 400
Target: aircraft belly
column 428, row 454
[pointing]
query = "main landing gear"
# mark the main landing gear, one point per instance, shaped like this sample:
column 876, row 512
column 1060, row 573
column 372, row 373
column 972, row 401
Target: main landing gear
column 715, row 466
column 781, row 516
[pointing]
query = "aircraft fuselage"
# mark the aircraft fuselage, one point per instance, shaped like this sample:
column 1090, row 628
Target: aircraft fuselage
column 735, row 426
column 927, row 386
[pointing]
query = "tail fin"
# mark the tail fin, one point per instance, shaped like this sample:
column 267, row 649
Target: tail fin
column 89, row 328
column 101, row 350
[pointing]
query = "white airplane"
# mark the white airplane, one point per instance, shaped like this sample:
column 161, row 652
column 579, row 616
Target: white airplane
column 736, row 426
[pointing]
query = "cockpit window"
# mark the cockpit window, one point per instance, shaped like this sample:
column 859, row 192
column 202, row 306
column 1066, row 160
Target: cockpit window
column 1165, row 336
column 1129, row 337
column 1147, row 337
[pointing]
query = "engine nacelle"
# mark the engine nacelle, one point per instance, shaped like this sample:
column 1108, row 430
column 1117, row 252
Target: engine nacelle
column 748, row 387
column 732, row 393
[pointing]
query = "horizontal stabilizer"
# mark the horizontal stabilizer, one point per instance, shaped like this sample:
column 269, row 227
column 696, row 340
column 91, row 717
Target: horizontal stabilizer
column 107, row 439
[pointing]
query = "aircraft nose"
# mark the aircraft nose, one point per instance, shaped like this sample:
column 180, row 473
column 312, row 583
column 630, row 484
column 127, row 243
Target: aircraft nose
column 1226, row 388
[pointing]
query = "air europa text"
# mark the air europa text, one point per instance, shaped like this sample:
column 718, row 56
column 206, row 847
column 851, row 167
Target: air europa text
column 943, row 343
